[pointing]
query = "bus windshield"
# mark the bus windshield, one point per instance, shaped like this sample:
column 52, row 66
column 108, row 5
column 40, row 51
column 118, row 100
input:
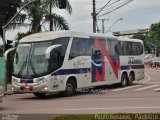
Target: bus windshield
column 30, row 59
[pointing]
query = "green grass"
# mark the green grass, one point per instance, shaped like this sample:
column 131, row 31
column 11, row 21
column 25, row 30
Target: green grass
column 74, row 117
column 111, row 116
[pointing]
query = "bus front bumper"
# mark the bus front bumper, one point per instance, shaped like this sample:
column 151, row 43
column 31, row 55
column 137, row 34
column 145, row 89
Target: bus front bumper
column 30, row 88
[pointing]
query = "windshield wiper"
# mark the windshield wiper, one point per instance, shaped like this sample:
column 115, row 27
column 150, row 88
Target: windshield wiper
column 23, row 66
column 33, row 69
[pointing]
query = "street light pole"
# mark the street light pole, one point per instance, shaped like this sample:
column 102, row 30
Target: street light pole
column 113, row 24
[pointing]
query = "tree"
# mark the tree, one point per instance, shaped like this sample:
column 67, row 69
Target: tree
column 43, row 9
column 154, row 35
column 55, row 19
column 144, row 38
column 7, row 10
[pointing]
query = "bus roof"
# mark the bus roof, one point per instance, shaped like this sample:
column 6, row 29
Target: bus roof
column 46, row 36
column 129, row 39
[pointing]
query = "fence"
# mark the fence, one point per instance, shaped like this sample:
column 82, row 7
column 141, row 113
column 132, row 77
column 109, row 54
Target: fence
column 2, row 68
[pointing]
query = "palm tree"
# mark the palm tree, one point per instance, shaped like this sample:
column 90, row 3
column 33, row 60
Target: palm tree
column 43, row 8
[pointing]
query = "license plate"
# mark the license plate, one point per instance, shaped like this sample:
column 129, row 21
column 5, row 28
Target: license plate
column 27, row 88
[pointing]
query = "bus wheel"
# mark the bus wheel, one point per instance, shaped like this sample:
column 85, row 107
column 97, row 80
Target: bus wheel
column 130, row 79
column 124, row 80
column 40, row 95
column 70, row 88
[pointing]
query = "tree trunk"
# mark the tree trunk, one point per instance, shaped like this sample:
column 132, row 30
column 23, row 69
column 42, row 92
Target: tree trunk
column 36, row 26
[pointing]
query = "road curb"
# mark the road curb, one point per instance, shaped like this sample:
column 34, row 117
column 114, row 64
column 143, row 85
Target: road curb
column 9, row 92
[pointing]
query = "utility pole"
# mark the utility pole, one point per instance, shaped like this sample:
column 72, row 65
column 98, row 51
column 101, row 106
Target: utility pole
column 103, row 20
column 50, row 13
column 94, row 15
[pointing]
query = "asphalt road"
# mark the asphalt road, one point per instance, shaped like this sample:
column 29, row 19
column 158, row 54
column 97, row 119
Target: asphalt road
column 143, row 96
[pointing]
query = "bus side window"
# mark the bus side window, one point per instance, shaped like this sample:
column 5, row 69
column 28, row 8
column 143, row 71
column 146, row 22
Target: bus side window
column 117, row 48
column 77, row 48
column 124, row 48
column 139, row 48
column 134, row 48
column 56, row 59
column 113, row 47
column 89, row 47
column 129, row 47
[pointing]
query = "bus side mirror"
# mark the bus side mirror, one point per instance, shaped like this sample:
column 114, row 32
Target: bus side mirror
column 8, row 57
column 7, row 53
column 49, row 49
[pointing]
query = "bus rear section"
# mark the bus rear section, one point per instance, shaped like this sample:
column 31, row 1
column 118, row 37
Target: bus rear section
column 131, row 52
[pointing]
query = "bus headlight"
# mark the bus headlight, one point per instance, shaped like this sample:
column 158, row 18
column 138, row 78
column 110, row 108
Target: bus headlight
column 46, row 88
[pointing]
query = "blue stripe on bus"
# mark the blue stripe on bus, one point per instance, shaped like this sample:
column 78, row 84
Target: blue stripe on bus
column 72, row 71
column 126, row 67
column 88, row 70
column 26, row 81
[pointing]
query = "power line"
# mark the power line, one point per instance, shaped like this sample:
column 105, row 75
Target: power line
column 109, row 4
column 104, row 6
column 116, row 8
column 95, row 14
column 113, row 24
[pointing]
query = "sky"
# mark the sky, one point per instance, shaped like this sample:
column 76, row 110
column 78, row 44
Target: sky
column 137, row 14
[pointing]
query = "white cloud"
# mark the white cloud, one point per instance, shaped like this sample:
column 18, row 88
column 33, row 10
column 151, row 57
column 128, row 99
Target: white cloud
column 137, row 14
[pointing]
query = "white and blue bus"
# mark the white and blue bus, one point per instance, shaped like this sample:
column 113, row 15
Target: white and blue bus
column 64, row 61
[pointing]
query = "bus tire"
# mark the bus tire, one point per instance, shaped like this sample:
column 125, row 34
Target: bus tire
column 40, row 95
column 130, row 79
column 124, row 80
column 70, row 88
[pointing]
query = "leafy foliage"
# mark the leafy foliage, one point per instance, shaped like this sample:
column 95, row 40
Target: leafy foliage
column 151, row 39
column 144, row 38
column 21, row 35
column 43, row 9
column 59, row 22
column 154, row 35
column 7, row 10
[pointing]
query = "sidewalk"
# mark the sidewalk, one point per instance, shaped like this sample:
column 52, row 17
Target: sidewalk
column 9, row 90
